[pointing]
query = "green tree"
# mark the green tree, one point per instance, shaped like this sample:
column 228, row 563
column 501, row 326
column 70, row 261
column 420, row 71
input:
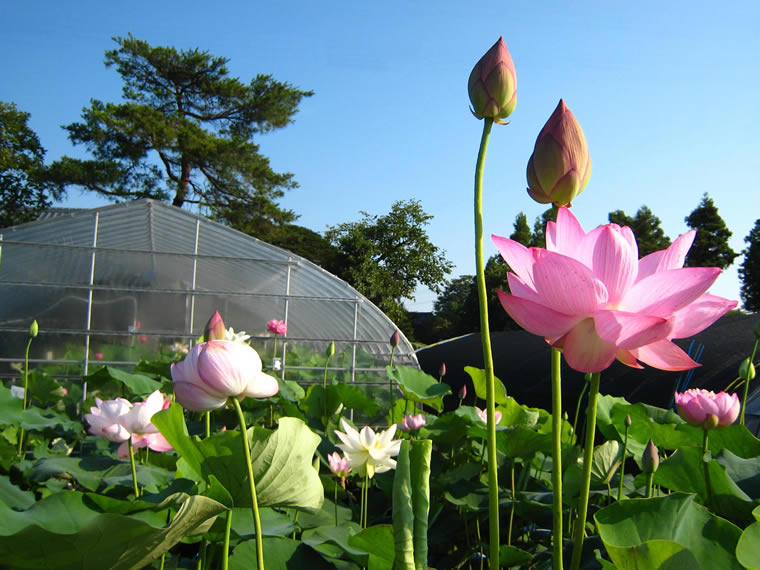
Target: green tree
column 650, row 236
column 539, row 227
column 25, row 190
column 749, row 271
column 710, row 247
column 451, row 310
column 386, row 257
column 522, row 233
column 184, row 132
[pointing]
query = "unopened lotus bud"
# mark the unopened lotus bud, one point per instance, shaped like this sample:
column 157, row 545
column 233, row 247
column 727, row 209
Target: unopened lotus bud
column 330, row 352
column 493, row 84
column 560, row 166
column 34, row 329
column 747, row 369
column 711, row 421
column 215, row 329
column 463, row 392
column 628, row 420
column 442, row 370
column 650, row 460
column 395, row 339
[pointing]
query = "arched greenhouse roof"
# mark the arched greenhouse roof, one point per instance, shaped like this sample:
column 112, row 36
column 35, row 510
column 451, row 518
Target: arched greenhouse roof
column 148, row 272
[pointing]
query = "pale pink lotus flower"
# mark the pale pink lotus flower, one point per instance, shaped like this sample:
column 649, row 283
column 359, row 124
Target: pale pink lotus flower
column 99, row 356
column 368, row 450
column 589, row 295
column 277, row 327
column 340, row 466
column 483, row 415
column 217, row 370
column 106, row 419
column 697, row 405
column 412, row 422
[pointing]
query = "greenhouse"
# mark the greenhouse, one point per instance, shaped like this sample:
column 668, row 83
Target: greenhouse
column 118, row 283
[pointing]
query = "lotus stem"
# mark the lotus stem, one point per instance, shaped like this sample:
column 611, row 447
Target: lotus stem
column 252, row 485
column 226, row 546
column 26, row 394
column 588, row 453
column 132, row 465
column 746, row 382
column 622, row 465
column 556, row 459
column 706, row 466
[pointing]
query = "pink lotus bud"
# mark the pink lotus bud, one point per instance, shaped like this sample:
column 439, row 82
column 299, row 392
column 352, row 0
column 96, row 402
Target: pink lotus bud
column 277, row 327
column 560, row 166
column 696, row 406
column 442, row 370
column 142, row 338
column 483, row 415
column 98, row 356
column 395, row 339
column 650, row 460
column 338, row 465
column 463, row 392
column 493, row 84
column 411, row 423
column 215, row 329
column 216, row 370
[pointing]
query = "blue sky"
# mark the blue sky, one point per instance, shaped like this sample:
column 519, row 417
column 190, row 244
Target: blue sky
column 666, row 93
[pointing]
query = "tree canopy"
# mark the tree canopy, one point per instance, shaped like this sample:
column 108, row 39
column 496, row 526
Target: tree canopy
column 184, row 132
column 710, row 247
column 647, row 228
column 386, row 257
column 25, row 190
column 749, row 271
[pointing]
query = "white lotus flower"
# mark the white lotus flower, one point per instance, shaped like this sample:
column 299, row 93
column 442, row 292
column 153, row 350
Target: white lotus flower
column 240, row 337
column 368, row 449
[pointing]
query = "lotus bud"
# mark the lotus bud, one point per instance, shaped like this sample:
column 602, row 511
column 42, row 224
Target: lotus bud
column 395, row 339
column 330, row 352
column 650, row 460
column 34, row 329
column 628, row 420
column 442, row 370
column 215, row 329
column 463, row 392
column 747, row 369
column 560, row 166
column 493, row 84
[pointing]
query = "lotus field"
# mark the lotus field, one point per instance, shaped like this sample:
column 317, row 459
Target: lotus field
column 203, row 456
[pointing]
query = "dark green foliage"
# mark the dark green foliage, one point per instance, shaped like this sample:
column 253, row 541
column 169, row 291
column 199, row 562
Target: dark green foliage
column 386, row 257
column 710, row 247
column 539, row 227
column 650, row 236
column 184, row 132
column 24, row 187
column 522, row 233
column 749, row 271
column 452, row 307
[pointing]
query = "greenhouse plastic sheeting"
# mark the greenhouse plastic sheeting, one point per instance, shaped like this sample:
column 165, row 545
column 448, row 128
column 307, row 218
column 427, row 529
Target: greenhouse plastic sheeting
column 146, row 275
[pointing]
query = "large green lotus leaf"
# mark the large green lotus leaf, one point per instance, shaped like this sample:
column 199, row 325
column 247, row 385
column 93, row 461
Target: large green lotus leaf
column 13, row 497
column 33, row 418
column 748, row 548
column 478, row 376
column 273, row 523
column 418, row 386
column 641, row 530
column 325, row 516
column 323, row 403
column 334, row 541
column 510, row 556
column 449, row 429
column 522, row 442
column 137, row 384
column 744, row 472
column 377, row 541
column 279, row 554
column 68, row 530
column 97, row 473
column 606, row 460
column 282, row 460
column 684, row 471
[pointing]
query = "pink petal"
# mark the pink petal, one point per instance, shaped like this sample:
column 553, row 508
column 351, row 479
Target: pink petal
column 536, row 318
column 157, row 442
column 614, row 262
column 518, row 288
column 566, row 235
column 262, row 386
column 585, row 351
column 630, row 330
column 519, row 258
column 566, row 285
column 665, row 292
column 671, row 258
column 193, row 397
column 699, row 315
column 627, row 358
column 664, row 355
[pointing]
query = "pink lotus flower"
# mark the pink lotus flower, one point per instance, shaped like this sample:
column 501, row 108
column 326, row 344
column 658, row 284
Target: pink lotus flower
column 706, row 408
column 277, row 327
column 589, row 295
column 411, row 423
column 338, row 465
column 483, row 415
column 106, row 419
column 99, row 356
column 217, row 370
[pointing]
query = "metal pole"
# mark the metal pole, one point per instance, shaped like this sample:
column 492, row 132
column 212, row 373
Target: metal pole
column 195, row 273
column 89, row 305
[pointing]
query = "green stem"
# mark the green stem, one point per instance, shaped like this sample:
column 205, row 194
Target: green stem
column 746, row 383
column 622, row 465
column 335, row 502
column 578, row 407
column 588, row 453
column 252, row 484
column 226, row 546
column 706, row 467
column 26, row 394
column 485, row 335
column 650, row 479
column 556, row 459
column 132, row 465
column 324, row 378
column 390, row 387
column 363, row 510
column 208, row 424
column 512, row 510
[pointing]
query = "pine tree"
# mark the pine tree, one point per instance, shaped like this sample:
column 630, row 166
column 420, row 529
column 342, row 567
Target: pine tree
column 522, row 233
column 749, row 271
column 710, row 247
column 646, row 227
column 539, row 227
